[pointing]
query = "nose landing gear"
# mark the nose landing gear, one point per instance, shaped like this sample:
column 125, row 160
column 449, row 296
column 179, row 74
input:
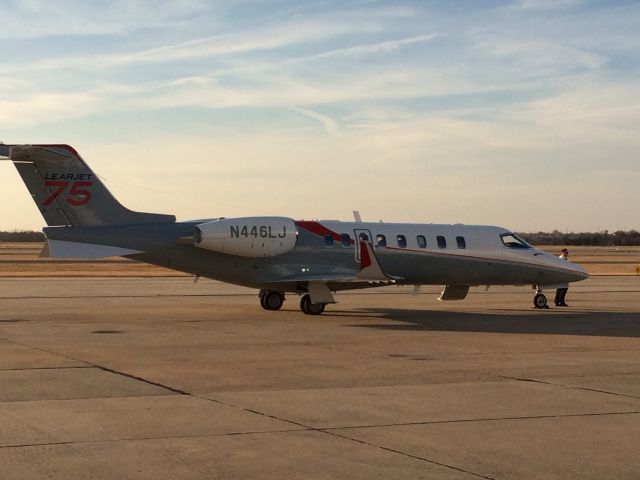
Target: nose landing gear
column 540, row 301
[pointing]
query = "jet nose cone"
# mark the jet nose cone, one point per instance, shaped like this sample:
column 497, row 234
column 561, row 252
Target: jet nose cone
column 578, row 272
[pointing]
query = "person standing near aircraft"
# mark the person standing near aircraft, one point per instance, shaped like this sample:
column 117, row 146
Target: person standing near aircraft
column 562, row 292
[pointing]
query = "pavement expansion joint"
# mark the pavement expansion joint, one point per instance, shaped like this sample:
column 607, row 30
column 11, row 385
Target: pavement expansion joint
column 140, row 379
column 471, row 420
column 328, row 431
column 405, row 454
column 44, row 368
column 520, row 379
column 255, row 412
column 574, row 387
column 103, row 368
column 44, row 350
column 596, row 390
column 144, row 439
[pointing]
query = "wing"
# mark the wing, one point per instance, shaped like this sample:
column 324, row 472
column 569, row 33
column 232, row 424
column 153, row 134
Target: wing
column 321, row 285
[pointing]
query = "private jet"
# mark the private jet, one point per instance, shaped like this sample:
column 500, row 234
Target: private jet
column 278, row 255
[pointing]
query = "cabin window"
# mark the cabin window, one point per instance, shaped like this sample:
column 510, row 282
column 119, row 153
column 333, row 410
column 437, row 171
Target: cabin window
column 346, row 240
column 461, row 242
column 442, row 242
column 402, row 241
column 381, row 240
column 511, row 240
column 328, row 240
column 422, row 241
column 363, row 237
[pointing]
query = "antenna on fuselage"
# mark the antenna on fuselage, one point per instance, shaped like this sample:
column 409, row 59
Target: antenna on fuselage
column 356, row 216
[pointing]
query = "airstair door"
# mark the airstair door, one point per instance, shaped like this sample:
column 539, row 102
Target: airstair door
column 361, row 234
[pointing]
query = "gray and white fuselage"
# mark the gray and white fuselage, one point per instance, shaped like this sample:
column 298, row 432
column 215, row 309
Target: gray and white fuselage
column 277, row 254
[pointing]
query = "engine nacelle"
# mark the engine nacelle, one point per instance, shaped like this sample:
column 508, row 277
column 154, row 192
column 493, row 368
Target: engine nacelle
column 247, row 237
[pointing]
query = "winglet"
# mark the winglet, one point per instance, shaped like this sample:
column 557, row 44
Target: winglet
column 370, row 268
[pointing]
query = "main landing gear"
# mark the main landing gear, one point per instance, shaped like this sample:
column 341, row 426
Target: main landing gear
column 271, row 300
column 311, row 308
column 540, row 301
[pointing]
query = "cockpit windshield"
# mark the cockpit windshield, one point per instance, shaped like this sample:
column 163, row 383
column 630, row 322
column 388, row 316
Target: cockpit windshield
column 511, row 240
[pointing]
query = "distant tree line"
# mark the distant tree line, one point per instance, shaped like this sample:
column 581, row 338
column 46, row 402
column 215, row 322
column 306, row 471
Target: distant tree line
column 603, row 239
column 21, row 236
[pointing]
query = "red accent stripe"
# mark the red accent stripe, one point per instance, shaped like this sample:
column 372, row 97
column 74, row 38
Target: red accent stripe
column 318, row 229
column 64, row 147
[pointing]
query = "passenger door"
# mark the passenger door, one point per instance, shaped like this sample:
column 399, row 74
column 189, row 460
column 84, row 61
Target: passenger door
column 361, row 234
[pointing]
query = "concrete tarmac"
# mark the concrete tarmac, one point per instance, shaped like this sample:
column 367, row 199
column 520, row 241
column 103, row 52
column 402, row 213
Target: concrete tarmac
column 157, row 378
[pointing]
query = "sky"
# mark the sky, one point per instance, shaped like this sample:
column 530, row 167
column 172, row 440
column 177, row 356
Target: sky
column 518, row 113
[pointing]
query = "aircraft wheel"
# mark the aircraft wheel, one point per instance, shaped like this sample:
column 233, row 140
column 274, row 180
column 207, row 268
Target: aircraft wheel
column 540, row 301
column 270, row 300
column 261, row 295
column 310, row 308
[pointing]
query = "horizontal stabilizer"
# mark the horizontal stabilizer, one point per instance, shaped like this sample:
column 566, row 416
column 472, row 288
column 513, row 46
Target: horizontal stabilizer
column 64, row 249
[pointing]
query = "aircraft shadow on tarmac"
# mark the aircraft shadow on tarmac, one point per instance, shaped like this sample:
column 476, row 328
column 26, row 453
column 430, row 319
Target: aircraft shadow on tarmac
column 593, row 323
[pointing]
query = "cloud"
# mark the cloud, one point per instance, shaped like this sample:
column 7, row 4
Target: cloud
column 329, row 124
column 595, row 113
column 282, row 88
column 47, row 107
column 542, row 54
column 380, row 47
column 266, row 38
column 545, row 4
column 29, row 19
column 296, row 90
column 282, row 34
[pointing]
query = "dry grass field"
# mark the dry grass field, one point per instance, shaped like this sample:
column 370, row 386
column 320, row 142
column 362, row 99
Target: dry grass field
column 602, row 260
column 22, row 260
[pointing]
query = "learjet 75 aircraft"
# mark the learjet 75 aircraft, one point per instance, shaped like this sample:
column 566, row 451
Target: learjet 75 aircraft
column 277, row 255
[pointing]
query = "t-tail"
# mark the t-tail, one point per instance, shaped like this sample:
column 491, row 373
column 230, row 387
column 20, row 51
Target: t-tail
column 66, row 190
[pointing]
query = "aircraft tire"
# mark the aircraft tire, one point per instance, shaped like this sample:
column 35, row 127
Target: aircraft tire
column 310, row 308
column 270, row 300
column 261, row 295
column 540, row 301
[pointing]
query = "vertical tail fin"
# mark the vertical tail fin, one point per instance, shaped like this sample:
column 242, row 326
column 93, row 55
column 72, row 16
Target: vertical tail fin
column 66, row 190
